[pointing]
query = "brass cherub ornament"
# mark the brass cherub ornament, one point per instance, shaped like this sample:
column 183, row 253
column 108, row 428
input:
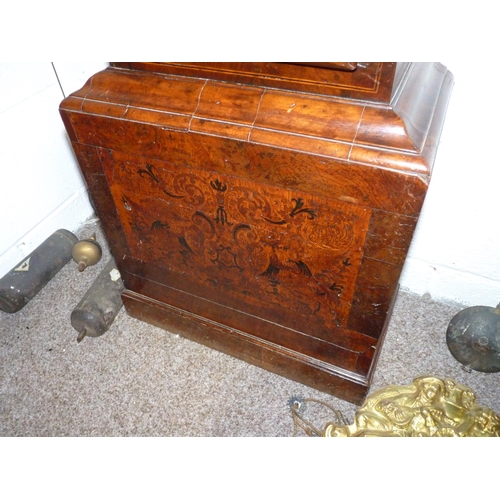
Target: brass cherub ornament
column 430, row 406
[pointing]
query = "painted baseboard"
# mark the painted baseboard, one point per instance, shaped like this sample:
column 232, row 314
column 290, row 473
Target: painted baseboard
column 449, row 285
column 69, row 215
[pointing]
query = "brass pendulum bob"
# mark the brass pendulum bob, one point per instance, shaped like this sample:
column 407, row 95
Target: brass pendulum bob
column 87, row 253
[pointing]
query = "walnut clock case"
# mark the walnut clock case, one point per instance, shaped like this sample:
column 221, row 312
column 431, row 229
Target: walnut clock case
column 263, row 209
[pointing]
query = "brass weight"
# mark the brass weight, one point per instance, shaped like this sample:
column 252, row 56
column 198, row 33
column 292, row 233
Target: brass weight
column 87, row 253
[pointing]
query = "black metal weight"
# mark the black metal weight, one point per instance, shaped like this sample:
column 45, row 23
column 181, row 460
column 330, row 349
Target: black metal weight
column 99, row 306
column 28, row 277
column 473, row 338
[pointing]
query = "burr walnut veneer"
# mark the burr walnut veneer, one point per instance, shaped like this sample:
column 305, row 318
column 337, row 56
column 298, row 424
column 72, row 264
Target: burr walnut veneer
column 263, row 209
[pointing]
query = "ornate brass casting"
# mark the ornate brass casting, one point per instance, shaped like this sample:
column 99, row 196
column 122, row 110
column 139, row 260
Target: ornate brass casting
column 430, row 406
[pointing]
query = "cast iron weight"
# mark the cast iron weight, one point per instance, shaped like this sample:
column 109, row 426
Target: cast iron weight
column 99, row 306
column 473, row 338
column 30, row 275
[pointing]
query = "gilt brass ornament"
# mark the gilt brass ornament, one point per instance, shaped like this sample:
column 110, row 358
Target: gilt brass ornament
column 429, row 407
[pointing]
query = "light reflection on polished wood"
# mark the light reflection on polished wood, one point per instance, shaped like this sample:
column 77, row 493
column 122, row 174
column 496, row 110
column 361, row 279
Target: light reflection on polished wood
column 429, row 407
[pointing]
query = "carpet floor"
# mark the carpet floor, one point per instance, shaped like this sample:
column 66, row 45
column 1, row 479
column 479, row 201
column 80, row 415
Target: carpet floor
column 139, row 380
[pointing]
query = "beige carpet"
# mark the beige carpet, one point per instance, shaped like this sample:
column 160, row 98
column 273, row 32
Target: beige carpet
column 139, row 380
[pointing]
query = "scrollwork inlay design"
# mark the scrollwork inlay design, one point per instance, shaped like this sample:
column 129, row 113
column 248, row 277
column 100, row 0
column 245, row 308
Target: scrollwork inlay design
column 274, row 246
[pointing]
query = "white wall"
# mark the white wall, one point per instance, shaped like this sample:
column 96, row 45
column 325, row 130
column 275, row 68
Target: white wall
column 455, row 253
column 456, row 249
column 41, row 188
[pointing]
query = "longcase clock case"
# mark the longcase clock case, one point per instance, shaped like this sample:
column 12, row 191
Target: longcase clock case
column 263, row 209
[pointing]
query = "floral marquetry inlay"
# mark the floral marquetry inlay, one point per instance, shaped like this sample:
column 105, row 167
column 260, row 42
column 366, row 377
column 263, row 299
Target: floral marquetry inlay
column 260, row 244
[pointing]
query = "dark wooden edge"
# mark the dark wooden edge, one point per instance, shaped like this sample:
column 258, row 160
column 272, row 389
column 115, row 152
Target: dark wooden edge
column 283, row 362
column 381, row 339
column 373, row 80
column 335, row 346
